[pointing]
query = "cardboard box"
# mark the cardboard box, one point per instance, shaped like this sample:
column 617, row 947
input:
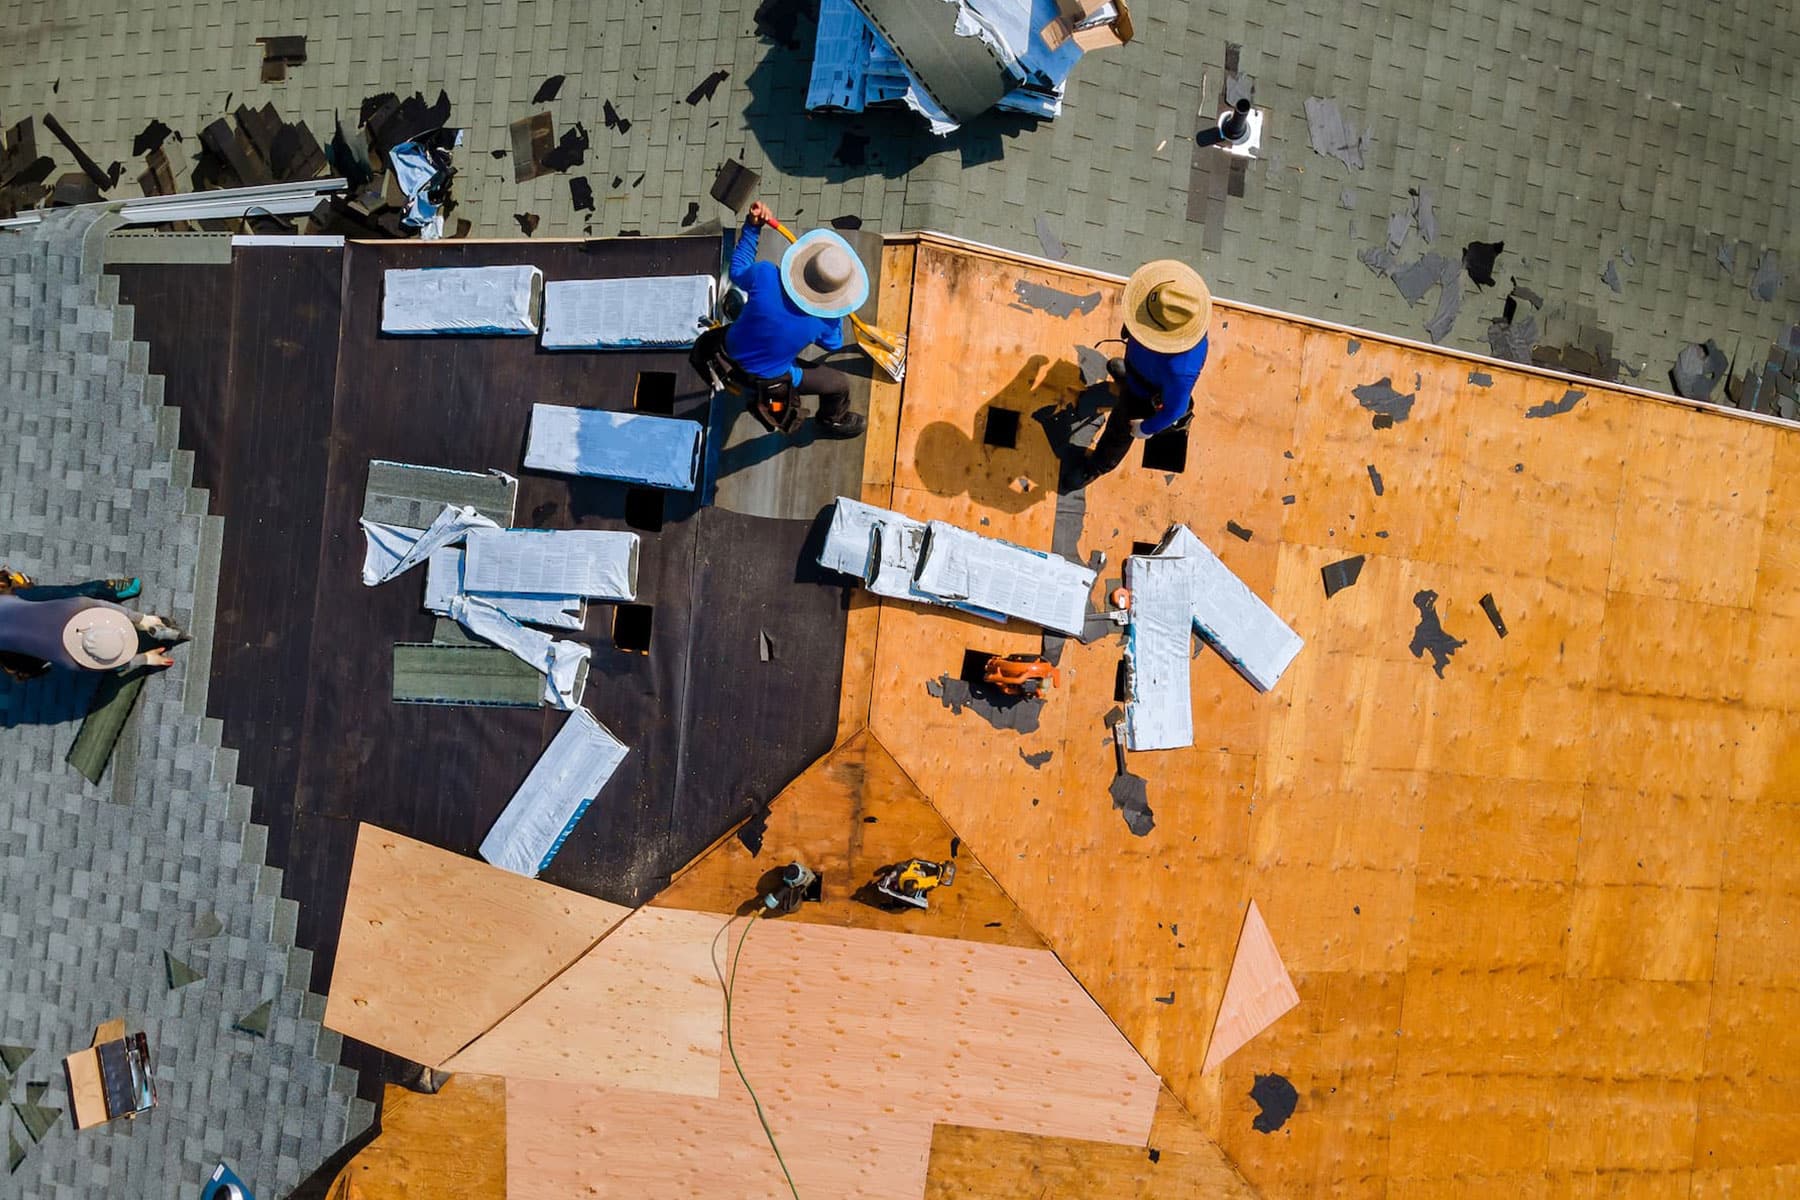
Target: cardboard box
column 1073, row 14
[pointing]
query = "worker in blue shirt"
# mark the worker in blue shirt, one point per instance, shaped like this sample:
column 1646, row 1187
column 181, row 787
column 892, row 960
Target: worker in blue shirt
column 1167, row 311
column 802, row 302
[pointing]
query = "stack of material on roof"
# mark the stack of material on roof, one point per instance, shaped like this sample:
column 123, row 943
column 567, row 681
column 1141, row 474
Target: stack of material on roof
column 657, row 451
column 505, row 578
column 612, row 314
column 461, row 300
column 1184, row 583
column 950, row 62
column 537, row 820
column 938, row 563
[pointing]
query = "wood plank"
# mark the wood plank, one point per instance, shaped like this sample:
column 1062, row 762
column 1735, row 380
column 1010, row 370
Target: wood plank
column 447, row 1146
column 437, row 948
column 87, row 1094
column 1258, row 991
column 643, row 1009
column 849, row 815
column 1180, row 1162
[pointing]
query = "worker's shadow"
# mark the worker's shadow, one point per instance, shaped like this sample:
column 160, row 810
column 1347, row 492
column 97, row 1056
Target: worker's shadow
column 54, row 698
column 1006, row 463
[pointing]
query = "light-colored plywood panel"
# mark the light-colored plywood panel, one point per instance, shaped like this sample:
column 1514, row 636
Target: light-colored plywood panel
column 893, row 312
column 642, row 1009
column 1258, row 991
column 1691, row 521
column 846, row 817
column 1655, row 646
column 1664, row 933
column 1179, row 1162
column 435, row 948
column 447, row 1146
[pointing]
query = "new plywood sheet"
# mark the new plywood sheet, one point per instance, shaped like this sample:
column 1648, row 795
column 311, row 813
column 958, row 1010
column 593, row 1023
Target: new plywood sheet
column 856, row 1042
column 1258, row 991
column 642, row 1009
column 435, row 947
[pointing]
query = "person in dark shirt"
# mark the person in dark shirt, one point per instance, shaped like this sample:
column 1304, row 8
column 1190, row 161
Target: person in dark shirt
column 802, row 302
column 1168, row 309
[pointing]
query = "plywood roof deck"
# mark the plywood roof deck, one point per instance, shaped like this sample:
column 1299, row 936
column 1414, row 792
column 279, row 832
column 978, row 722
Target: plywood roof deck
column 1543, row 912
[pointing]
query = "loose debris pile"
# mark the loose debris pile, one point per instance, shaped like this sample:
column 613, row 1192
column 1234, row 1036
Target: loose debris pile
column 397, row 160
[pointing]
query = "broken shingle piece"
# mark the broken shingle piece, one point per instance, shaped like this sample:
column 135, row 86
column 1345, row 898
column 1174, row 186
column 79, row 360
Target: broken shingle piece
column 1341, row 574
column 1046, row 236
column 256, row 1021
column 547, row 90
column 1478, row 261
column 1610, row 277
column 1551, row 408
column 1332, row 135
column 1766, row 283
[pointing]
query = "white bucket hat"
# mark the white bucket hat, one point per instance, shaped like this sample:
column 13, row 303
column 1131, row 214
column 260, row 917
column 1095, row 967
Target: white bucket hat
column 100, row 638
column 823, row 276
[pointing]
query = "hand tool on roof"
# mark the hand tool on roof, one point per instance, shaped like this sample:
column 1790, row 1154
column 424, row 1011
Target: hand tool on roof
column 1021, row 674
column 885, row 348
column 796, row 885
column 911, row 881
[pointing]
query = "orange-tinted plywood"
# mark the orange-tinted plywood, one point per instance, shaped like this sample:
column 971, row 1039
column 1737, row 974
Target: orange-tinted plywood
column 447, row 1146
column 435, row 947
column 1528, row 900
column 850, row 814
column 642, row 1009
column 1179, row 1163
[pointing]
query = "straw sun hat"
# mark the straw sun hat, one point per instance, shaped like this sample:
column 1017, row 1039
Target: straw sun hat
column 100, row 638
column 1167, row 306
column 823, row 276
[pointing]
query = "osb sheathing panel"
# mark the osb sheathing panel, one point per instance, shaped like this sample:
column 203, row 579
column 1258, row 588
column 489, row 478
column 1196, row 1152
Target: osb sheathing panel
column 857, row 1042
column 436, row 947
column 1553, row 822
column 447, row 1146
column 846, row 817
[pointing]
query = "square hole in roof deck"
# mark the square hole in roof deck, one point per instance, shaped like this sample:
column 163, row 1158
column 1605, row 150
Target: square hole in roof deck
column 644, row 508
column 1001, row 428
column 655, row 393
column 631, row 628
column 1167, row 451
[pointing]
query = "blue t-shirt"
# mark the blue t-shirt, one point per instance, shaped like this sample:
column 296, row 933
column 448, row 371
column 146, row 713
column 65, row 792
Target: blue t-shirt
column 772, row 329
column 1172, row 376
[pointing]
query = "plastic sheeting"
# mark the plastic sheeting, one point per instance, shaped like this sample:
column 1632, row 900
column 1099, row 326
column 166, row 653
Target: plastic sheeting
column 394, row 550
column 444, row 582
column 564, row 781
column 659, row 451
column 611, row 314
column 1045, row 589
column 596, row 563
column 559, row 661
column 461, row 300
column 1185, row 585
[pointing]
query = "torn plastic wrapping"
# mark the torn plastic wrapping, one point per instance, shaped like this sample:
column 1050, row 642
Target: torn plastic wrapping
column 559, row 661
column 394, row 550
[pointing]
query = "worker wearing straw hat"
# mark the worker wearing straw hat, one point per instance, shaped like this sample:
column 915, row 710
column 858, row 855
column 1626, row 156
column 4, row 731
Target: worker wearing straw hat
column 801, row 303
column 1168, row 309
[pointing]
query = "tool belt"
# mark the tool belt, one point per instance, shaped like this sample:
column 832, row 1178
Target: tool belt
column 1145, row 397
column 769, row 399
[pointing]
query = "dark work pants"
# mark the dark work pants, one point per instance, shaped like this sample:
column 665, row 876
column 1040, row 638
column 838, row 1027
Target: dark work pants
column 98, row 589
column 1115, row 440
column 832, row 387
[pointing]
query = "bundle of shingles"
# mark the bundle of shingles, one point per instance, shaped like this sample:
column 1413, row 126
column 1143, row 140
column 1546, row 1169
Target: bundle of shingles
column 397, row 160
